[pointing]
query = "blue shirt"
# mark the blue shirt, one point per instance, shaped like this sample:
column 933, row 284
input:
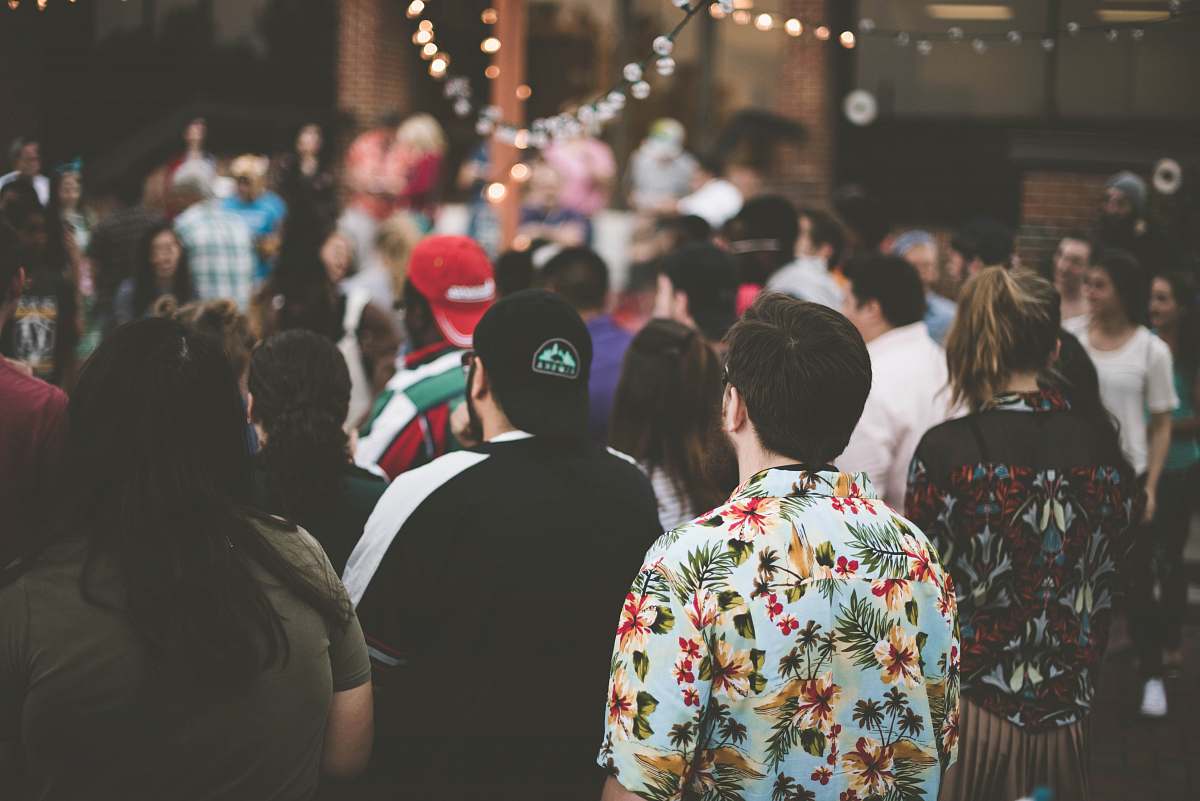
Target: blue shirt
column 609, row 343
column 939, row 316
column 262, row 216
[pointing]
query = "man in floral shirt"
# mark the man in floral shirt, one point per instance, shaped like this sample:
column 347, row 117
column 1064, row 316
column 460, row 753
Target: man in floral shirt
column 799, row 642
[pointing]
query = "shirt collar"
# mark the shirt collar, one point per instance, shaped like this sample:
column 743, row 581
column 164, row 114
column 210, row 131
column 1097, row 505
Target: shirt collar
column 797, row 480
column 510, row 436
column 1046, row 400
column 901, row 335
column 427, row 354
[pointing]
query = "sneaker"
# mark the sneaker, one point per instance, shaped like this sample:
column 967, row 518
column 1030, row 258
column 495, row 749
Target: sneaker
column 1154, row 699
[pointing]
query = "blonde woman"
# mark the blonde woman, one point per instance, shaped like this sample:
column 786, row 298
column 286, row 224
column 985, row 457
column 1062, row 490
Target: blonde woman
column 422, row 146
column 1031, row 504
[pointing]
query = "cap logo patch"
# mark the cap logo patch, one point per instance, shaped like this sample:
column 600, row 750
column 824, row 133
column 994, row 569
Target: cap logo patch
column 557, row 357
column 472, row 294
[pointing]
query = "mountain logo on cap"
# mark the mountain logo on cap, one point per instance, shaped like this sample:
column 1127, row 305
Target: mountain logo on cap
column 557, row 357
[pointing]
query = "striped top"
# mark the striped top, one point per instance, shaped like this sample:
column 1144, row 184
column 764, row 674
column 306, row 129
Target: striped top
column 409, row 425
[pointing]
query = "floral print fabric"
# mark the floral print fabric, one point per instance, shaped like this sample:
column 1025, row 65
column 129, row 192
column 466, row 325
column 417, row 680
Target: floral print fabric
column 798, row 643
column 1034, row 551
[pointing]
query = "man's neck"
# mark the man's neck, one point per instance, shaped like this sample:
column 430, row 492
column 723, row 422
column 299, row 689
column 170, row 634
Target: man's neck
column 1073, row 303
column 1023, row 383
column 1111, row 324
column 874, row 334
column 754, row 460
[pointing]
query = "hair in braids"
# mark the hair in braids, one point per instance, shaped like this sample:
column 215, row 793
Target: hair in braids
column 301, row 391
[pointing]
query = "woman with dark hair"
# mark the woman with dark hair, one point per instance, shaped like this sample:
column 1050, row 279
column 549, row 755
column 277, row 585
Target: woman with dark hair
column 303, row 292
column 1031, row 503
column 1174, row 317
column 1137, row 386
column 161, row 269
column 666, row 415
column 299, row 396
column 165, row 641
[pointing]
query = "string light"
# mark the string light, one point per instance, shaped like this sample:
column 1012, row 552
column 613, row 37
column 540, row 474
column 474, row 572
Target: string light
column 764, row 22
column 793, row 27
column 496, row 192
column 415, row 9
column 490, row 16
column 492, row 72
column 822, row 33
column 847, row 39
column 524, row 92
column 520, row 172
column 490, row 45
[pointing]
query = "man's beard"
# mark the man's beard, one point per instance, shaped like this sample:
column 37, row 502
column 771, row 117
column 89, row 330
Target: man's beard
column 721, row 467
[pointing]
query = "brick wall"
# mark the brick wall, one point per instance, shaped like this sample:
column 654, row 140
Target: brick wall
column 1052, row 204
column 373, row 61
column 805, row 75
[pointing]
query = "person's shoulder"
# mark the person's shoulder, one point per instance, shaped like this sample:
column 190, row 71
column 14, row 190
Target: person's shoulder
column 1077, row 326
column 33, row 395
column 420, row 482
column 942, row 436
column 1158, row 348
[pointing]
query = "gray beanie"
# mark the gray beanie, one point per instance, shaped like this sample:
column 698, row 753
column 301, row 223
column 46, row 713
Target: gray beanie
column 1132, row 187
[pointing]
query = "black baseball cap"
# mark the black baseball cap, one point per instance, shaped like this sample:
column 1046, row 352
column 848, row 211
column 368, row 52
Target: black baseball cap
column 708, row 276
column 538, row 356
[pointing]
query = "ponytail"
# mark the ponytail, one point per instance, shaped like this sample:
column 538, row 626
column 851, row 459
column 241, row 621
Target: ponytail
column 1008, row 321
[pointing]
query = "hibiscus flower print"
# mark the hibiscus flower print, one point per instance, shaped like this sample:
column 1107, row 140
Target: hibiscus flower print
column 691, row 697
column 703, row 610
column 787, row 624
column 920, row 563
column 730, row 671
column 894, row 592
column 621, row 705
column 846, row 567
column 815, row 706
column 637, row 616
column 684, row 672
column 749, row 518
column 822, row 775
column 689, row 647
column 774, row 607
column 950, row 729
column 869, row 767
column 898, row 656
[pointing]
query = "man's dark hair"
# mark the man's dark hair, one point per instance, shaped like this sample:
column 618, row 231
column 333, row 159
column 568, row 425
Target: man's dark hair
column 987, row 239
column 891, row 281
column 19, row 144
column 10, row 259
column 514, row 271
column 708, row 276
column 825, row 230
column 1128, row 279
column 579, row 276
column 643, row 277
column 804, row 373
column 685, row 229
column 863, row 213
column 711, row 163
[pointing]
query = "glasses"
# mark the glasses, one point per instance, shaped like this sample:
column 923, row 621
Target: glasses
column 468, row 359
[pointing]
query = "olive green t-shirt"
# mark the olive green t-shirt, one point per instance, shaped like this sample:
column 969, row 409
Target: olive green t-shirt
column 76, row 711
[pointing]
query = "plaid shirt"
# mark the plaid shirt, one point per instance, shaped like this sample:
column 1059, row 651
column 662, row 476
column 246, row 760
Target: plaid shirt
column 220, row 252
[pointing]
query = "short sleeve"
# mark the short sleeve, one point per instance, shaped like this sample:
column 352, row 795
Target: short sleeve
column 348, row 656
column 659, row 683
column 14, row 632
column 1160, row 379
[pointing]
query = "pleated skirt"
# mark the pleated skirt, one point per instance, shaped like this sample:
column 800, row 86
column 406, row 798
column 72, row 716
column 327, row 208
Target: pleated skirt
column 998, row 761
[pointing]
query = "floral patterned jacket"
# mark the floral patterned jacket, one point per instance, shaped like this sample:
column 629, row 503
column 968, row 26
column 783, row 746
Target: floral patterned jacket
column 798, row 643
column 1031, row 512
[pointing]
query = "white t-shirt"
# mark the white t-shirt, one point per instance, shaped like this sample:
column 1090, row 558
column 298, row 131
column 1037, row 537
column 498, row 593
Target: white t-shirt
column 674, row 508
column 909, row 395
column 716, row 202
column 1135, row 380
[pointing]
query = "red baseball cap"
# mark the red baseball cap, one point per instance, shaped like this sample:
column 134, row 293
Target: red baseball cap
column 456, row 277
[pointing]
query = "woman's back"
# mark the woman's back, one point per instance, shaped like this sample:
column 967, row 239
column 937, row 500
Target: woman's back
column 1030, row 509
column 96, row 718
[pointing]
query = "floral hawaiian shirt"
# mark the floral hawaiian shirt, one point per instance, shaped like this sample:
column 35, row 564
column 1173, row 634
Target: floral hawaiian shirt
column 798, row 643
column 1031, row 513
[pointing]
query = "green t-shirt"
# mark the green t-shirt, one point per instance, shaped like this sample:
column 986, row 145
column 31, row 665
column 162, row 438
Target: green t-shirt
column 74, row 700
column 1185, row 451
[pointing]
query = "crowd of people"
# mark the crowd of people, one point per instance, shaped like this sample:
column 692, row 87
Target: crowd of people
column 300, row 497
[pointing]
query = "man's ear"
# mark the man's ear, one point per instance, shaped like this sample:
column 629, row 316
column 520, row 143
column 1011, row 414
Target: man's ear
column 733, row 411
column 17, row 285
column 249, row 407
column 481, row 386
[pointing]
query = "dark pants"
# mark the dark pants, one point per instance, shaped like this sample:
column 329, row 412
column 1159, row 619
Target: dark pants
column 1158, row 559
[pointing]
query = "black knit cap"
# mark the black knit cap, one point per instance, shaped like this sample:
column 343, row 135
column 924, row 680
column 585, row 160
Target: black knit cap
column 538, row 356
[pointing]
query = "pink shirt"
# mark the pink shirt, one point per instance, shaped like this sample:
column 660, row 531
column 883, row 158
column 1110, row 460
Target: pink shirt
column 586, row 168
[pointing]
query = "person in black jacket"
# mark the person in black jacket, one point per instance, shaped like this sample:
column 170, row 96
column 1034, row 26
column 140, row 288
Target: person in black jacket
column 486, row 579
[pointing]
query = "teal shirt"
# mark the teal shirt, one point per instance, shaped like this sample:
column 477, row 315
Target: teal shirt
column 1185, row 451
